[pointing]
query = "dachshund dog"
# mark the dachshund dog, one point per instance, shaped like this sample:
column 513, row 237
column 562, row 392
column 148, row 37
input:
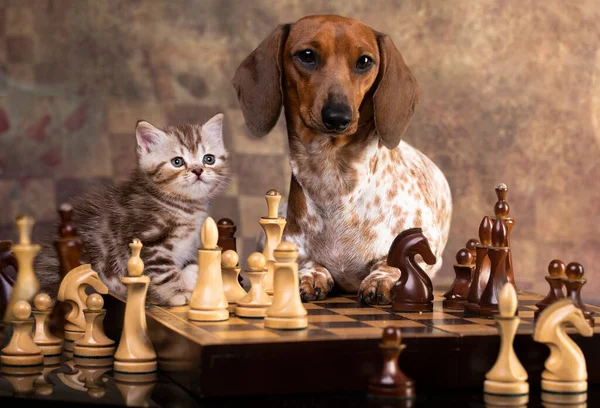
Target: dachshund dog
column 348, row 98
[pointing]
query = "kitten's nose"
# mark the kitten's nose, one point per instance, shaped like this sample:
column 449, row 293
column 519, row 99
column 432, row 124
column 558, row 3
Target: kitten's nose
column 197, row 172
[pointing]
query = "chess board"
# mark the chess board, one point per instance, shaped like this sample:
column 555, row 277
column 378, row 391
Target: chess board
column 338, row 351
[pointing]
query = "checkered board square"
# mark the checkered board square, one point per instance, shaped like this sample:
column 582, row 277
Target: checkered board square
column 343, row 317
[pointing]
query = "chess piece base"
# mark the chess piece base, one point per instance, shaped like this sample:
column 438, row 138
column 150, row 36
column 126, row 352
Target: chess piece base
column 93, row 361
column 22, row 361
column 401, row 392
column 51, row 350
column 135, row 367
column 135, row 378
column 564, row 387
column 492, row 400
column 471, row 309
column 489, row 311
column 512, row 389
column 94, row 352
column 208, row 315
column 231, row 307
column 412, row 307
column 51, row 360
column 458, row 304
column 570, row 400
column 244, row 311
column 286, row 323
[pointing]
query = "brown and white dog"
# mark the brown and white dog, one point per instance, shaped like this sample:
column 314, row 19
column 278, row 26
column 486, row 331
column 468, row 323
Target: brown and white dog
column 348, row 98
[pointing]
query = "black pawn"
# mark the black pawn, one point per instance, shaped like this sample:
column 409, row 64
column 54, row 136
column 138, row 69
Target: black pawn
column 556, row 273
column 574, row 281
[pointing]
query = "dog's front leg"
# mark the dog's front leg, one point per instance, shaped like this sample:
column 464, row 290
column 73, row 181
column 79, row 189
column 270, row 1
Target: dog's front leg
column 376, row 288
column 315, row 281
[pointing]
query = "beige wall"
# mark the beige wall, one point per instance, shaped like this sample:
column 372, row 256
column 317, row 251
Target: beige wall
column 511, row 93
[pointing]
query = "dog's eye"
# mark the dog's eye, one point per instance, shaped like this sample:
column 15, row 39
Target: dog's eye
column 363, row 63
column 307, row 57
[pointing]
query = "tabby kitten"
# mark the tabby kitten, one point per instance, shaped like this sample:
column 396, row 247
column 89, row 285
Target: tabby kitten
column 164, row 203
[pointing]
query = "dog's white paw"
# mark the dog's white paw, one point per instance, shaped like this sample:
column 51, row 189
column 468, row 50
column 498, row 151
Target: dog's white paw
column 315, row 281
column 376, row 288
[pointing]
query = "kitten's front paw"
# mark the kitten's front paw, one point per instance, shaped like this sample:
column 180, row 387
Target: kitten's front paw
column 190, row 276
column 180, row 300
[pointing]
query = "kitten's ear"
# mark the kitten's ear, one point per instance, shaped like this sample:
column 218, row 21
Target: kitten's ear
column 214, row 128
column 148, row 136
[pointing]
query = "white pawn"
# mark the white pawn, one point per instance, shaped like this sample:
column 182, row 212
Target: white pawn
column 208, row 302
column 230, row 272
column 257, row 301
column 273, row 225
column 507, row 378
column 51, row 345
column 94, row 348
column 21, row 351
column 287, row 310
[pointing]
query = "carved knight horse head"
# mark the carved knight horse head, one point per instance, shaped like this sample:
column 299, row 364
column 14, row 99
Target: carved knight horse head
column 566, row 362
column 403, row 250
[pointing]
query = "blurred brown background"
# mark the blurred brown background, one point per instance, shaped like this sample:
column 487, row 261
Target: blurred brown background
column 510, row 93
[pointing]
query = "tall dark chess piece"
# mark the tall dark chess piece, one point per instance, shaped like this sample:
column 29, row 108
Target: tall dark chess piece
column 481, row 274
column 574, row 282
column 68, row 245
column 227, row 240
column 498, row 254
column 391, row 382
column 502, row 210
column 471, row 245
column 556, row 273
column 414, row 291
column 456, row 297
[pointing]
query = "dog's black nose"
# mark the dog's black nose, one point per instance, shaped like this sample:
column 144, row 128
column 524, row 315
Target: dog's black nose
column 336, row 116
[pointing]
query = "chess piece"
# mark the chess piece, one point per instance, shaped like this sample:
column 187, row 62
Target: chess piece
column 456, row 296
column 8, row 272
column 287, row 310
column 556, row 272
column 68, row 245
column 94, row 348
column 257, row 301
column 507, row 377
column 414, row 291
column 471, row 245
column 50, row 345
column 391, row 382
column 208, row 302
column 43, row 384
column 73, row 291
column 136, row 390
column 481, row 274
column 21, row 351
column 135, row 353
column 574, row 282
column 22, row 379
column 565, row 370
column 227, row 230
column 502, row 210
column 498, row 253
column 230, row 272
column 273, row 226
column 93, row 379
column 26, row 285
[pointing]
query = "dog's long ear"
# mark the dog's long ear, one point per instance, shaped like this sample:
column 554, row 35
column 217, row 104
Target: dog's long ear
column 258, row 83
column 396, row 95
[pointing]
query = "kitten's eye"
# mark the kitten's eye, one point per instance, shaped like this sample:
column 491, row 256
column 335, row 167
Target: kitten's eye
column 208, row 159
column 364, row 63
column 307, row 57
column 177, row 162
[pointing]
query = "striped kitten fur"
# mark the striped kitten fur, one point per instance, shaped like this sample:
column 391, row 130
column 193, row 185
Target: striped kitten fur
column 163, row 203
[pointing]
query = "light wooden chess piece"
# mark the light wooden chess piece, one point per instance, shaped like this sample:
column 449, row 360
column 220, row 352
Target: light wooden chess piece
column 257, row 301
column 43, row 384
column 135, row 353
column 50, row 344
column 565, row 369
column 94, row 348
column 287, row 310
column 23, row 380
column 94, row 379
column 273, row 226
column 208, row 302
column 72, row 291
column 507, row 378
column 26, row 285
column 21, row 351
column 231, row 284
